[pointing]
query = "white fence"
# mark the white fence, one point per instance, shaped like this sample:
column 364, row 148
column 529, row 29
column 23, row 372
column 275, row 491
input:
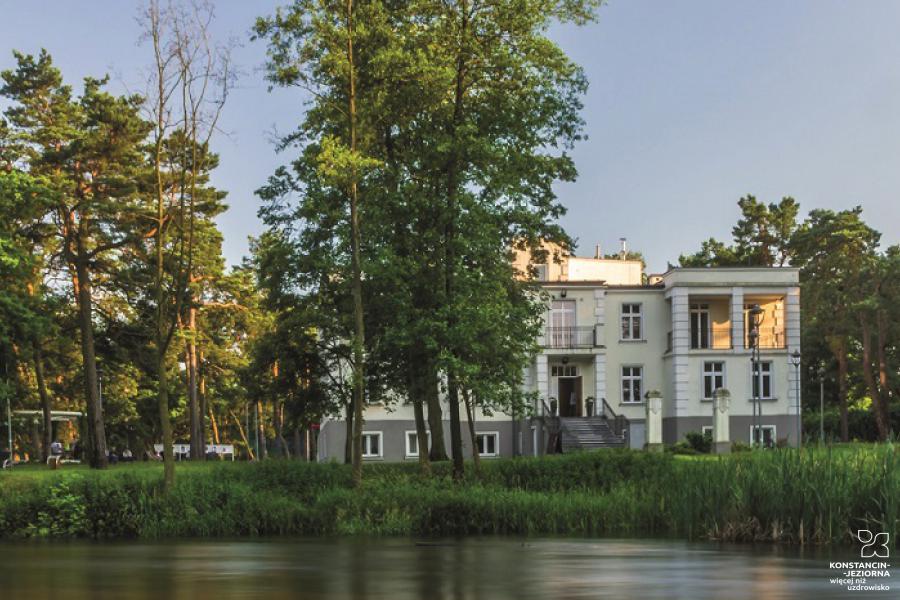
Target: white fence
column 184, row 450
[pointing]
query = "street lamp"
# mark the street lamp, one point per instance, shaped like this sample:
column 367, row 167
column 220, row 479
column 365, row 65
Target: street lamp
column 755, row 314
column 795, row 360
column 821, row 403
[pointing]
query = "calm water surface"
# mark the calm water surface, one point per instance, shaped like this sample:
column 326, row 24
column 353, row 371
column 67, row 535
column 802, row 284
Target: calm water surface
column 398, row 569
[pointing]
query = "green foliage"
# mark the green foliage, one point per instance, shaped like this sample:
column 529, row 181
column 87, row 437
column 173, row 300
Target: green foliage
column 762, row 237
column 62, row 515
column 701, row 442
column 818, row 495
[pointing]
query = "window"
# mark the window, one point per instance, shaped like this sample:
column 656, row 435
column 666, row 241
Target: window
column 700, row 326
column 562, row 332
column 562, row 313
column 631, row 384
column 564, row 371
column 706, row 430
column 371, row 444
column 631, row 322
column 762, row 380
column 768, row 434
column 412, row 443
column 541, row 272
column 488, row 443
column 713, row 378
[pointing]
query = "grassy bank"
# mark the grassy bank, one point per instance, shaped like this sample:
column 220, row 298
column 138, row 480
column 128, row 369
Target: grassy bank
column 813, row 496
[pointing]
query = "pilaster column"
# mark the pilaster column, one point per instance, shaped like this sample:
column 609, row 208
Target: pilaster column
column 542, row 381
column 599, row 381
column 681, row 329
column 792, row 339
column 737, row 318
column 600, row 317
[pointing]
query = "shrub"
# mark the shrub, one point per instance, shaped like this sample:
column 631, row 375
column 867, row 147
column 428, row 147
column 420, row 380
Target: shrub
column 683, row 448
column 701, row 442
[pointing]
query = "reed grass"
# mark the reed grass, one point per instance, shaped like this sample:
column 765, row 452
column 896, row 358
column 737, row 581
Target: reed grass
column 813, row 496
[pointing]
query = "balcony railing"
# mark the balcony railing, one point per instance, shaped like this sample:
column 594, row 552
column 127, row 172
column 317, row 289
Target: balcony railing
column 569, row 337
column 769, row 338
column 717, row 339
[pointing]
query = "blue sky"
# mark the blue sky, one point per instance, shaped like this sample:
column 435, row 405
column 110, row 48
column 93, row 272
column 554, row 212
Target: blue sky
column 691, row 105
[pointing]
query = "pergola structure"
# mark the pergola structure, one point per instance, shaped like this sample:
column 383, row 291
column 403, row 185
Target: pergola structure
column 57, row 416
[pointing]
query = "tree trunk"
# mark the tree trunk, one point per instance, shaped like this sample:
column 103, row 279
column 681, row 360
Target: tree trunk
column 470, row 414
column 214, row 425
column 198, row 450
column 348, row 442
column 299, row 452
column 453, row 184
column 283, row 450
column 164, row 422
column 262, row 451
column 46, row 403
column 869, row 377
column 243, row 435
column 840, row 355
column 438, row 450
column 883, row 381
column 96, row 452
column 201, row 398
column 359, row 331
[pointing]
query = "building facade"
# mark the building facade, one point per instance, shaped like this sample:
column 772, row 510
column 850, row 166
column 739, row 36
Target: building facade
column 611, row 335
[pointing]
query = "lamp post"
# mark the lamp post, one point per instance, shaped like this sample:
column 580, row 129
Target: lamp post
column 795, row 360
column 755, row 314
column 821, row 403
column 9, row 433
column 9, row 428
column 100, row 384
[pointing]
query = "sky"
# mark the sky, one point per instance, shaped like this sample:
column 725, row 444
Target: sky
column 691, row 105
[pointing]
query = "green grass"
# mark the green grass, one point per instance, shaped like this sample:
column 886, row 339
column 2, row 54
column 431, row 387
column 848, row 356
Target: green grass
column 816, row 496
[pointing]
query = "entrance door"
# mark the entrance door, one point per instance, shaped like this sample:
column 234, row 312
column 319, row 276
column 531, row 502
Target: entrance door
column 570, row 397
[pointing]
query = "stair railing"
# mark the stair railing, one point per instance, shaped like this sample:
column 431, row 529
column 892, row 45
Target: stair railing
column 619, row 422
column 554, row 429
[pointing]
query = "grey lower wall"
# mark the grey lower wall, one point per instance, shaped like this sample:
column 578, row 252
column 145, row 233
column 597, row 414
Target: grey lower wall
column 523, row 434
column 393, row 437
column 637, row 434
column 675, row 428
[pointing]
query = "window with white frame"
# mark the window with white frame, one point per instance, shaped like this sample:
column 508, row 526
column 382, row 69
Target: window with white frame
column 371, row 444
column 706, row 430
column 713, row 378
column 488, row 443
column 768, row 435
column 564, row 371
column 631, row 322
column 632, row 380
column 701, row 326
column 762, row 380
column 412, row 443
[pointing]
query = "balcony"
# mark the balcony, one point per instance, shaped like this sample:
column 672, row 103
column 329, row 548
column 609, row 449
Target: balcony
column 569, row 337
column 717, row 337
column 770, row 338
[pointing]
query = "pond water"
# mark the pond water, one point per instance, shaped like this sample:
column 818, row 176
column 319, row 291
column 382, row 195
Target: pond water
column 398, row 569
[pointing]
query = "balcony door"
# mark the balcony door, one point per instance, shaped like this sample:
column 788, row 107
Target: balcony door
column 701, row 326
column 562, row 323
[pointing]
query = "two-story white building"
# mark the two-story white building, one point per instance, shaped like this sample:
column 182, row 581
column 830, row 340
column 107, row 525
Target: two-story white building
column 611, row 335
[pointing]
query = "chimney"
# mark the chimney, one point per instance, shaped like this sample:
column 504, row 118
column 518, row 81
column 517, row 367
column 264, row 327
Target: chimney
column 623, row 254
column 597, row 252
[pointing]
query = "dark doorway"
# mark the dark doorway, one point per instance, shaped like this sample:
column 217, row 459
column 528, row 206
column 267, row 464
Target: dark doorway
column 570, row 396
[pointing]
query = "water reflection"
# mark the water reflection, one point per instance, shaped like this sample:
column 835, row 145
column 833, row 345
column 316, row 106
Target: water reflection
column 470, row 569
